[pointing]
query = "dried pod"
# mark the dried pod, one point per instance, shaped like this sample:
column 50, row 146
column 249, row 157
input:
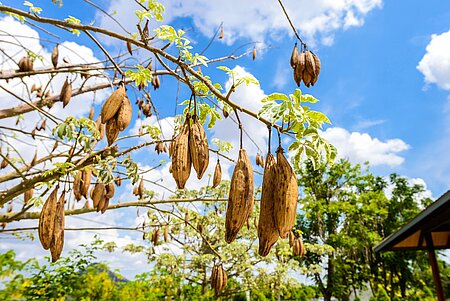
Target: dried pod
column 118, row 181
column 76, row 186
column 299, row 248
column 254, row 54
column 217, row 174
column 129, row 47
column 291, row 238
column 286, row 197
column 25, row 64
column 47, row 220
column 91, row 113
column 307, row 78
column 5, row 161
column 43, row 125
column 110, row 190
column 55, row 146
column 147, row 110
column 141, row 188
column 181, row 159
column 317, row 66
column 112, row 130
column 218, row 278
column 267, row 229
column 156, row 83
column 55, row 54
column 299, row 68
column 198, row 147
column 159, row 147
column 155, row 236
column 294, row 57
column 240, row 199
column 225, row 113
column 100, row 204
column 221, row 35
column 27, row 196
column 100, row 127
column 310, row 63
column 124, row 114
column 57, row 243
column 33, row 133
column 66, row 93
column 113, row 103
column 34, row 160
column 258, row 159
column 85, row 182
column 105, row 205
column 98, row 193
column 166, row 233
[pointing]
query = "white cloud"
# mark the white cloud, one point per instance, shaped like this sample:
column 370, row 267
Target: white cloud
column 361, row 147
column 435, row 64
column 316, row 20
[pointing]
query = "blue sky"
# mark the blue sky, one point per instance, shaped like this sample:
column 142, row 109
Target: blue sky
column 383, row 108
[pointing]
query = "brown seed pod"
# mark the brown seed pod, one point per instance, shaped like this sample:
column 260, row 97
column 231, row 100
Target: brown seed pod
column 91, row 113
column 198, row 147
column 47, row 220
column 317, row 68
column 225, row 113
column 218, row 278
column 113, row 104
column 129, row 47
column 57, row 243
column 159, row 147
column 100, row 204
column 34, row 160
column 240, row 198
column 254, row 54
column 299, row 68
column 112, row 130
column 85, row 182
column 55, row 54
column 76, row 186
column 156, row 83
column 217, row 174
column 66, row 93
column 267, row 229
column 100, row 127
column 310, row 63
column 55, row 146
column 98, row 193
column 294, row 57
column 43, row 125
column 286, row 198
column 141, row 189
column 25, row 64
column 105, row 205
column 147, row 110
column 110, row 190
column 118, row 181
column 155, row 236
column 307, row 78
column 181, row 159
column 124, row 114
column 221, row 35
column 166, row 233
column 5, row 161
column 27, row 195
column 291, row 238
column 33, row 134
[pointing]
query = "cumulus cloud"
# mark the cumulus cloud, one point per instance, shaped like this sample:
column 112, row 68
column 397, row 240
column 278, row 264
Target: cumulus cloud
column 435, row 64
column 256, row 20
column 361, row 147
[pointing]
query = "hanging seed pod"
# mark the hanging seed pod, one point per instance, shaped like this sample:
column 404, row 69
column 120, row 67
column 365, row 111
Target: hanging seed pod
column 218, row 278
column 100, row 204
column 33, row 134
column 110, row 190
column 294, row 57
column 105, row 205
column 112, row 130
column 98, row 193
column 124, row 114
column 25, row 64
column 91, row 113
column 258, row 159
column 129, row 47
column 113, row 103
column 286, row 197
column 181, row 159
column 141, row 188
column 307, row 78
column 254, row 54
column 225, row 112
column 240, row 199
column 76, row 186
column 118, row 181
column 55, row 146
column 55, row 54
column 221, row 35
column 159, row 147
column 267, row 229
column 43, row 125
column 298, row 248
column 57, row 243
column 85, row 182
column 155, row 236
column 310, row 63
column 47, row 220
column 27, row 196
column 5, row 161
column 147, row 110
column 100, row 128
column 317, row 68
column 299, row 68
column 166, row 233
column 291, row 238
column 156, row 83
column 198, row 147
column 217, row 175
column 34, row 160
column 66, row 93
